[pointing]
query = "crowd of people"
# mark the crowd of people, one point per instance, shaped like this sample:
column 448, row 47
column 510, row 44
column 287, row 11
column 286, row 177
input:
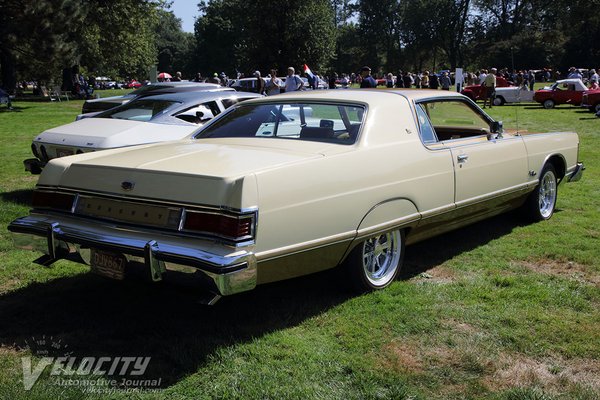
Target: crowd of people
column 271, row 83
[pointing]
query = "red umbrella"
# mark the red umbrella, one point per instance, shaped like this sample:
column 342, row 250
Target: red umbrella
column 164, row 75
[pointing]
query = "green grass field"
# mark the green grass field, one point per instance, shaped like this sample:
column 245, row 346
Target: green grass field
column 498, row 310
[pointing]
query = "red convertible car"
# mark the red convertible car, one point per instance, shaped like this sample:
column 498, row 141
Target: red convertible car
column 566, row 91
column 475, row 92
column 591, row 100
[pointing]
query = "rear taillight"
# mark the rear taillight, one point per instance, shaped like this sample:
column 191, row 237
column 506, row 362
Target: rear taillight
column 233, row 227
column 34, row 150
column 44, row 153
column 53, row 200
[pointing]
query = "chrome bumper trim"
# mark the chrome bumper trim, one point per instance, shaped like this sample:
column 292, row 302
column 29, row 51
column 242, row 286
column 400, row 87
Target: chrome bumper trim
column 575, row 175
column 62, row 238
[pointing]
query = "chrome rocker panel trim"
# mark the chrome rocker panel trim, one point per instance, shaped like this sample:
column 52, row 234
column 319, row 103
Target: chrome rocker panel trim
column 231, row 272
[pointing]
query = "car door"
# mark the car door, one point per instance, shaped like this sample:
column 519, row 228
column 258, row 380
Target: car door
column 486, row 165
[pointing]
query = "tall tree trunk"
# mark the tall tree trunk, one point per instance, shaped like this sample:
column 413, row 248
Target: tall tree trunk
column 8, row 78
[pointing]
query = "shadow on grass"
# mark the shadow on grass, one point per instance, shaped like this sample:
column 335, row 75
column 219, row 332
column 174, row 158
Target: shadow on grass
column 21, row 197
column 425, row 255
column 12, row 109
column 97, row 317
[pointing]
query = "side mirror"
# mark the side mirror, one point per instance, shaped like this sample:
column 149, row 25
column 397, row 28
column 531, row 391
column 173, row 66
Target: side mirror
column 497, row 127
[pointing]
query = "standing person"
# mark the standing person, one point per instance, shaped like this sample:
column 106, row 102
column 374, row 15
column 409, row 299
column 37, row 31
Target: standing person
column 425, row 80
column 260, row 83
column 332, row 79
column 445, row 81
column 482, row 76
column 389, row 80
column 215, row 79
column 489, row 87
column 531, row 79
column 407, row 80
column 368, row 82
column 574, row 74
column 434, row 82
column 345, row 81
column 274, row 84
column 594, row 78
column 399, row 81
column 293, row 82
column 417, row 78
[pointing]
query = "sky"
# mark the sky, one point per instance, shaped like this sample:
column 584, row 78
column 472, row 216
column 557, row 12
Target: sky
column 187, row 11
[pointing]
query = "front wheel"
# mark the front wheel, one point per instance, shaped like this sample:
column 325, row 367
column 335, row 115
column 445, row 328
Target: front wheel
column 548, row 104
column 498, row 101
column 375, row 263
column 541, row 202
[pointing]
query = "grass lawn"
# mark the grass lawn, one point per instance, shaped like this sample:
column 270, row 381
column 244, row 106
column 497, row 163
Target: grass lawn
column 498, row 310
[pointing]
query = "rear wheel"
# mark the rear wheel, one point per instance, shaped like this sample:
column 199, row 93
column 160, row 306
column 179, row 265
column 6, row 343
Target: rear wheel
column 541, row 202
column 548, row 104
column 596, row 108
column 498, row 101
column 375, row 263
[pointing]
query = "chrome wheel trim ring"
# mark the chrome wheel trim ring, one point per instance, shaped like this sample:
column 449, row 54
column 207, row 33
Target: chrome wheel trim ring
column 380, row 257
column 547, row 194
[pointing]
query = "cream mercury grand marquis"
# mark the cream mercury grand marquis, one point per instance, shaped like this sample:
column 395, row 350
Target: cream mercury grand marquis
column 260, row 195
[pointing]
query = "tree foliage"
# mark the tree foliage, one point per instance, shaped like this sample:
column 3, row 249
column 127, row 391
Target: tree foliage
column 175, row 47
column 247, row 35
column 40, row 37
column 123, row 38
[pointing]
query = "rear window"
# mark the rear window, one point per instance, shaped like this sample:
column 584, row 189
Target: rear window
column 139, row 110
column 331, row 123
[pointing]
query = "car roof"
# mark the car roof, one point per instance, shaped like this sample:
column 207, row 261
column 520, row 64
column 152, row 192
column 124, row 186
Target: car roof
column 197, row 96
column 570, row 80
column 364, row 95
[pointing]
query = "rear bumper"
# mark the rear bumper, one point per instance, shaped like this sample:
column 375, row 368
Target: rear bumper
column 33, row 165
column 219, row 268
column 575, row 174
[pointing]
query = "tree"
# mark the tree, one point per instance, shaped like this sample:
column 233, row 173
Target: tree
column 118, row 36
column 257, row 35
column 175, row 47
column 34, row 38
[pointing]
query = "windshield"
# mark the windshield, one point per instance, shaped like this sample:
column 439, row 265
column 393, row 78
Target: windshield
column 331, row 123
column 139, row 110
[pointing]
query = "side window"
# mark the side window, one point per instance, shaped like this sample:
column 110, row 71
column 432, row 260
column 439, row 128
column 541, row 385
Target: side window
column 229, row 102
column 425, row 129
column 200, row 113
column 455, row 119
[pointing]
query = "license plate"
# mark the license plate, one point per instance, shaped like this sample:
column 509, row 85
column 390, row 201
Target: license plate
column 64, row 152
column 108, row 264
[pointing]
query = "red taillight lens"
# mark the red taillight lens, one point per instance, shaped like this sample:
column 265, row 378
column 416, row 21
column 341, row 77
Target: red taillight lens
column 226, row 226
column 53, row 200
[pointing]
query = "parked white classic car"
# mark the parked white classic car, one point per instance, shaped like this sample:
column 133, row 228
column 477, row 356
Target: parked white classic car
column 257, row 196
column 512, row 94
column 147, row 119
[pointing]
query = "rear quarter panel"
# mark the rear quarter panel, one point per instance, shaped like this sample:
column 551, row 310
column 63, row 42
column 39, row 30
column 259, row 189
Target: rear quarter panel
column 541, row 146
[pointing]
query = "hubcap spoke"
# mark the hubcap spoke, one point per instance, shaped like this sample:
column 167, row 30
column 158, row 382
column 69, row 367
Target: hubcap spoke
column 381, row 256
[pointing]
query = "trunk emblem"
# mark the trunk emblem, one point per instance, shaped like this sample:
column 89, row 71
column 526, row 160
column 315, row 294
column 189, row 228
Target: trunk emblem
column 127, row 185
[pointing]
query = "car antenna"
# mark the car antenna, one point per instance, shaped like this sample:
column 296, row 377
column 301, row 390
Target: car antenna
column 517, row 119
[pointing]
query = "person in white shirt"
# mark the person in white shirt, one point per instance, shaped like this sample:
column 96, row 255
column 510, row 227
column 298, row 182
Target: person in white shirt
column 274, row 84
column 293, row 82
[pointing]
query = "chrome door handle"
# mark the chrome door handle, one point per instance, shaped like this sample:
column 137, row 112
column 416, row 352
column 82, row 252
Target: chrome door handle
column 461, row 158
